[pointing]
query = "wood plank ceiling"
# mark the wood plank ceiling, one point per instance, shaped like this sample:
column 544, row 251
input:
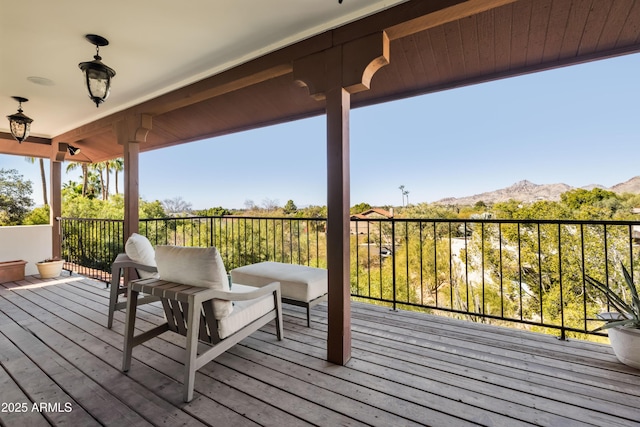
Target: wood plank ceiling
column 520, row 37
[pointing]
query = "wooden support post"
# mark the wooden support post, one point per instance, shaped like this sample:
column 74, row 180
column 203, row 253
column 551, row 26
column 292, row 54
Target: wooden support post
column 55, row 207
column 131, row 187
column 338, row 203
column 333, row 75
column 130, row 134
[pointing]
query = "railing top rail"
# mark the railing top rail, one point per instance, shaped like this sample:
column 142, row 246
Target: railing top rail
column 501, row 221
column 64, row 218
column 411, row 220
column 234, row 217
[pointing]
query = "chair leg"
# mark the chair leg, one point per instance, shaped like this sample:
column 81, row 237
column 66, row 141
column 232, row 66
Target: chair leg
column 193, row 330
column 279, row 325
column 129, row 329
column 113, row 295
column 113, row 300
column 308, row 316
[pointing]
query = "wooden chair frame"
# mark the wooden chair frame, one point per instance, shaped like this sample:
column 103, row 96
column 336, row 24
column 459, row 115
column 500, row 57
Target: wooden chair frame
column 121, row 263
column 190, row 311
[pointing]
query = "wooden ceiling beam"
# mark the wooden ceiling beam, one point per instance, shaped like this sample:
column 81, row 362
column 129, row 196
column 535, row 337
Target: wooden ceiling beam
column 210, row 88
column 412, row 17
column 33, row 146
column 442, row 15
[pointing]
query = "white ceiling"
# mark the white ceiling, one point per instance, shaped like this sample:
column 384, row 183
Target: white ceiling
column 154, row 46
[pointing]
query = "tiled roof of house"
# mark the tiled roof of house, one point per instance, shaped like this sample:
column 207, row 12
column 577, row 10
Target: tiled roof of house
column 366, row 214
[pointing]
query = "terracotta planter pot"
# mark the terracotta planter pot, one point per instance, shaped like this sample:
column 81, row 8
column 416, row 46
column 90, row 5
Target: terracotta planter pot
column 50, row 269
column 12, row 271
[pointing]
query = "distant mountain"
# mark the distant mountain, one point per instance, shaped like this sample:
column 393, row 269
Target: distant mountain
column 527, row 191
column 630, row 186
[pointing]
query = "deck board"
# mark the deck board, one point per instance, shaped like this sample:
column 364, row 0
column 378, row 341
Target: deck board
column 38, row 384
column 12, row 394
column 416, row 372
column 407, row 368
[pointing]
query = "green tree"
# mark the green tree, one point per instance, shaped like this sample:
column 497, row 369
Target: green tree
column 15, row 197
column 72, row 187
column 84, row 167
column 290, row 208
column 359, row 208
column 151, row 209
column 480, row 204
column 579, row 197
column 314, row 211
column 39, row 215
column 217, row 211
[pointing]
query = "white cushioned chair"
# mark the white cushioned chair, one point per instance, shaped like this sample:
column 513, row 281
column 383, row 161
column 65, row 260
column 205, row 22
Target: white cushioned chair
column 194, row 289
column 140, row 256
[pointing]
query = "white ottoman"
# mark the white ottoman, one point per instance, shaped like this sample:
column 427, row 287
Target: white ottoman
column 300, row 285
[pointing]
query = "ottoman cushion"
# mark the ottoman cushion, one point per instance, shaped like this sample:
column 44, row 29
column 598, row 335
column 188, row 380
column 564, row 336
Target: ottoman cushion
column 297, row 282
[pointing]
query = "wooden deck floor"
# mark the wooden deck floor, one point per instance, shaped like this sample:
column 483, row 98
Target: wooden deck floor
column 407, row 369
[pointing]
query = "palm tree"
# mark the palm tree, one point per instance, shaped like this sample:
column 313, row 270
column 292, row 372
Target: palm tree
column 118, row 166
column 100, row 168
column 43, row 177
column 105, row 190
column 94, row 185
column 85, row 174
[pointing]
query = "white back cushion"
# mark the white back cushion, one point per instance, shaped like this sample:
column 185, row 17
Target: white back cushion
column 195, row 267
column 139, row 249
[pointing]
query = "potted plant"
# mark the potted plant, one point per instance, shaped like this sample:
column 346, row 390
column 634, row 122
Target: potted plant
column 50, row 268
column 623, row 326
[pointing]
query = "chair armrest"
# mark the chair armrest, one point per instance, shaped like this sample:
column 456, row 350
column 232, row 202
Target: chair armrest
column 245, row 296
column 123, row 261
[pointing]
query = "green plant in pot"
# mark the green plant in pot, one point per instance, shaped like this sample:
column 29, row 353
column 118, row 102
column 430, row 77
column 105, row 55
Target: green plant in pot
column 623, row 325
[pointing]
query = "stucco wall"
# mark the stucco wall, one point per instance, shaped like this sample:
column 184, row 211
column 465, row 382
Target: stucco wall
column 31, row 243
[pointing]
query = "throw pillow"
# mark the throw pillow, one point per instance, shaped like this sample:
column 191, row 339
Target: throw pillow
column 139, row 249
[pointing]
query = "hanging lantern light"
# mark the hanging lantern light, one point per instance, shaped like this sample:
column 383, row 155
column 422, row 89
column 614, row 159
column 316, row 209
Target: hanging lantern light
column 97, row 76
column 19, row 124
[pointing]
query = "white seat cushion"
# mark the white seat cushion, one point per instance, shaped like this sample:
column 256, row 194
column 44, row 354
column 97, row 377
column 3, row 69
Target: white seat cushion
column 139, row 249
column 201, row 267
column 244, row 312
column 297, row 282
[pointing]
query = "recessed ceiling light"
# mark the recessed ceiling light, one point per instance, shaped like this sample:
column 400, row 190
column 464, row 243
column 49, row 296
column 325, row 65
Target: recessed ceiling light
column 43, row 81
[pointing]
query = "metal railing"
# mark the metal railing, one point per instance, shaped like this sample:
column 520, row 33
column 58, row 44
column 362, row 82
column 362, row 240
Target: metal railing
column 90, row 245
column 245, row 240
column 529, row 272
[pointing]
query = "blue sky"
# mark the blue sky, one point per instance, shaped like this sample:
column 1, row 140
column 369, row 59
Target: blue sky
column 578, row 125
